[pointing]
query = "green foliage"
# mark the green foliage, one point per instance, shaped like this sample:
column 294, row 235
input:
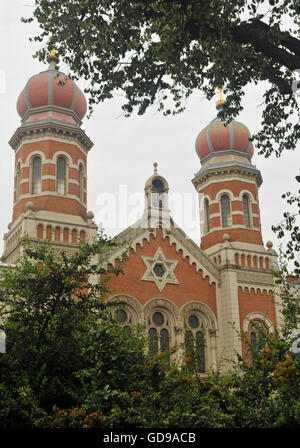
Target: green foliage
column 160, row 51
column 47, row 304
column 70, row 364
column 289, row 227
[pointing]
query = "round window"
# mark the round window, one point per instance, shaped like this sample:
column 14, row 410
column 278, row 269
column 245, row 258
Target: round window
column 121, row 316
column 158, row 318
column 159, row 270
column 193, row 321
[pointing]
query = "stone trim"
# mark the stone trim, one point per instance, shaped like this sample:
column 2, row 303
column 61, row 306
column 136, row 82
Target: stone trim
column 226, row 173
column 49, row 193
column 235, row 199
column 49, row 161
column 162, row 304
column 233, row 226
column 132, row 305
column 135, row 235
column 249, row 276
column 257, row 316
column 204, row 310
column 193, row 252
column 55, row 130
column 52, row 138
column 168, row 276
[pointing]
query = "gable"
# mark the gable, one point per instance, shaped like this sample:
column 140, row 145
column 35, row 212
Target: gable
column 184, row 273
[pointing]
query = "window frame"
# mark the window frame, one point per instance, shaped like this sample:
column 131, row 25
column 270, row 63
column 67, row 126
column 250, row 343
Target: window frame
column 58, row 181
column 248, row 208
column 18, row 180
column 34, row 183
column 157, row 193
column 206, row 216
column 225, row 195
column 192, row 333
column 81, row 172
column 165, row 326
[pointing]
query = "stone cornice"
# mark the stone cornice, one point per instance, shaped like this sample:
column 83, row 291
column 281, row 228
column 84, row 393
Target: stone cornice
column 255, row 278
column 50, row 129
column 225, row 172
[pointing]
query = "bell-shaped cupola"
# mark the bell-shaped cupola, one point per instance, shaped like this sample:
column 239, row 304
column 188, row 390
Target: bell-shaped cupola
column 157, row 212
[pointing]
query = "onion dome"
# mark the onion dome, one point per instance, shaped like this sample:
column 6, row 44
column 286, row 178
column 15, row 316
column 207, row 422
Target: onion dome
column 219, row 139
column 51, row 95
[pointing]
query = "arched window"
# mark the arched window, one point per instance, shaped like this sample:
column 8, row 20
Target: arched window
column 257, row 332
column 153, row 341
column 157, row 193
column 81, row 182
column 159, row 338
column 246, row 210
column 36, row 174
column 18, row 175
column 40, row 231
column 225, row 210
column 74, row 236
column 253, row 337
column 195, row 344
column 206, row 216
column 61, row 183
column 123, row 317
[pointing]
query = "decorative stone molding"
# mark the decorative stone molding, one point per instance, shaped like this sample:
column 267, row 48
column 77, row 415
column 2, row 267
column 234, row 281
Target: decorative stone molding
column 254, row 278
column 226, row 173
column 257, row 316
column 163, row 305
column 167, row 266
column 193, row 252
column 131, row 305
column 128, row 240
column 51, row 130
column 135, row 235
column 207, row 314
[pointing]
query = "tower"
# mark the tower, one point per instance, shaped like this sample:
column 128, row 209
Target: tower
column 157, row 212
column 50, row 181
column 228, row 184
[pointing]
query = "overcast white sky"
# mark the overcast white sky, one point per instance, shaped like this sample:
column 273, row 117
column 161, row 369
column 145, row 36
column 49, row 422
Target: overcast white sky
column 125, row 148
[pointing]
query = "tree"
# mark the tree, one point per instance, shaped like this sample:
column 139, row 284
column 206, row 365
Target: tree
column 70, row 364
column 48, row 303
column 158, row 50
column 289, row 227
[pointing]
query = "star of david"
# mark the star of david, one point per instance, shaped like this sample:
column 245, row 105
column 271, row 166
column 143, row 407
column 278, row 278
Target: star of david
column 160, row 270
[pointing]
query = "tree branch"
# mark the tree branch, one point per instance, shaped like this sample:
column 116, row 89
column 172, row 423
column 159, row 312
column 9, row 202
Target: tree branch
column 256, row 33
column 283, row 86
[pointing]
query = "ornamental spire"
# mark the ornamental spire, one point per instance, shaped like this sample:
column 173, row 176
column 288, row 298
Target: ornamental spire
column 52, row 58
column 221, row 102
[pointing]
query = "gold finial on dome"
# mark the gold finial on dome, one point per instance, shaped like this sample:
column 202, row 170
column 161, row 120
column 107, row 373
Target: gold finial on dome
column 155, row 167
column 52, row 58
column 220, row 103
column 52, row 53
